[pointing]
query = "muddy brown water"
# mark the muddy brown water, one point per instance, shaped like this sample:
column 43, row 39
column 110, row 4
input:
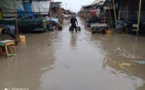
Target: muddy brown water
column 61, row 60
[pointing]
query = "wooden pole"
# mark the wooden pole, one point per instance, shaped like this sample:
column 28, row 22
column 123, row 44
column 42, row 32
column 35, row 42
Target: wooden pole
column 127, row 10
column 16, row 21
column 50, row 10
column 114, row 11
column 60, row 10
column 109, row 7
column 120, row 9
column 110, row 17
column 139, row 15
column 1, row 14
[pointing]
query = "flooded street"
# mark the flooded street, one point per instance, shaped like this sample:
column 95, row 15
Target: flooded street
column 61, row 60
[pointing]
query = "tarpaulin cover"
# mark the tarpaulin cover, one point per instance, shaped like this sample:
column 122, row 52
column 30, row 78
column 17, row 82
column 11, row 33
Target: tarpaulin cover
column 42, row 7
column 53, row 4
column 8, row 29
column 27, row 26
column 7, row 6
column 56, row 20
column 28, row 8
column 24, row 25
column 5, row 37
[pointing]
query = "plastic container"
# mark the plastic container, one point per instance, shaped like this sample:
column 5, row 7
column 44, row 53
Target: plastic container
column 22, row 39
column 109, row 32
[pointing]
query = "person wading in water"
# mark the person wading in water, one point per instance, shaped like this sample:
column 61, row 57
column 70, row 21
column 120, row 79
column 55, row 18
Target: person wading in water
column 74, row 23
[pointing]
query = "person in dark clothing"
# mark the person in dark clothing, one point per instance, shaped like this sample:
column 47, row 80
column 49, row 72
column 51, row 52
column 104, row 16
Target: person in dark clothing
column 73, row 22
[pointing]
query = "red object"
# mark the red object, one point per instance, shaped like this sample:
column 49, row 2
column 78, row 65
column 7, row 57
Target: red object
column 94, row 13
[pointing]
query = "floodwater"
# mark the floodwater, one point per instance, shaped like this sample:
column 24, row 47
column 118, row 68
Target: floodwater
column 61, row 60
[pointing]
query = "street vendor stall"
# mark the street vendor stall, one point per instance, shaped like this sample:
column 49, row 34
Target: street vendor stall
column 25, row 12
column 132, row 11
column 56, row 11
column 99, row 27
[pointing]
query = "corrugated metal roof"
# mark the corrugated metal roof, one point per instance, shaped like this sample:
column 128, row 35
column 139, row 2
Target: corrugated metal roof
column 101, row 3
column 97, row 1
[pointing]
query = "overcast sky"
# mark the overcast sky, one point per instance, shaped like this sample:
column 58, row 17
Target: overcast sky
column 74, row 5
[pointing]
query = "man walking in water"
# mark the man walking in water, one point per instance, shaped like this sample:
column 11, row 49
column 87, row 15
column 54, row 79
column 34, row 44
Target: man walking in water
column 73, row 22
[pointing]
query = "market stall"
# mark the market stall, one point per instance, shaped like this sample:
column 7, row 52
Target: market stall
column 133, row 13
column 27, row 14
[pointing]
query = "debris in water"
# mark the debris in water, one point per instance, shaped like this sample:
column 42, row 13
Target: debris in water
column 123, row 65
column 42, row 69
column 124, row 53
column 141, row 62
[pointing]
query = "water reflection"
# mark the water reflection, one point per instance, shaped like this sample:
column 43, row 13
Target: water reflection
column 99, row 62
column 124, row 55
column 32, row 60
column 73, row 40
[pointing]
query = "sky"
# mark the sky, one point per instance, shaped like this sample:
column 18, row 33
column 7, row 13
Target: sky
column 74, row 5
